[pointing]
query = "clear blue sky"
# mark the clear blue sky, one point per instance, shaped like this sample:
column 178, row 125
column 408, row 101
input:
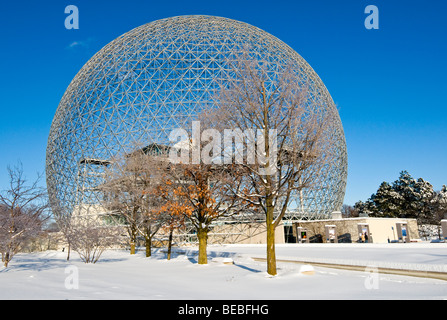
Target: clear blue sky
column 390, row 85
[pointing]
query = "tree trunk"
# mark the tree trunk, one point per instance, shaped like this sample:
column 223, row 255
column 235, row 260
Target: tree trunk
column 148, row 246
column 202, row 234
column 271, row 255
column 170, row 243
column 68, row 252
column 132, row 247
column 6, row 261
column 133, row 239
column 148, row 237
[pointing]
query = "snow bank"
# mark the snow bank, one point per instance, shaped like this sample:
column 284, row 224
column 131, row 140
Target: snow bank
column 119, row 275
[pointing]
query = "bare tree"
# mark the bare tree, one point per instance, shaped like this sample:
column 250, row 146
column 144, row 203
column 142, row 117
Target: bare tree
column 152, row 222
column 23, row 210
column 129, row 184
column 64, row 225
column 90, row 236
column 348, row 211
column 284, row 133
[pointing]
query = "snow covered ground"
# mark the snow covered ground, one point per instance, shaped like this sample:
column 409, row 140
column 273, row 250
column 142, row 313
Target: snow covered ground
column 118, row 275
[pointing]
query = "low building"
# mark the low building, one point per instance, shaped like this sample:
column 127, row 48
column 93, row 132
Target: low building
column 348, row 230
column 361, row 229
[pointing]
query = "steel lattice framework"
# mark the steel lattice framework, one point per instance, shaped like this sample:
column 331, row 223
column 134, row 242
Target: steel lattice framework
column 153, row 79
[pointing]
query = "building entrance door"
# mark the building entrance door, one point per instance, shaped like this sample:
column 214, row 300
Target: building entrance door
column 364, row 234
column 402, row 232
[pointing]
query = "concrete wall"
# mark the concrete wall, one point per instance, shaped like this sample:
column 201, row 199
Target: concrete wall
column 385, row 228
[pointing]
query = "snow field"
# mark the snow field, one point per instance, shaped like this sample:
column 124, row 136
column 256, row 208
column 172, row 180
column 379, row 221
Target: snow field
column 118, row 275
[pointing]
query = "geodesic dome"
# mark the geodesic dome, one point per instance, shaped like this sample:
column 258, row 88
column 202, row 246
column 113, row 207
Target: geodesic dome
column 156, row 78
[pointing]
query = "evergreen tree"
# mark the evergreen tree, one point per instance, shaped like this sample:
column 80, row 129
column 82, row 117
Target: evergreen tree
column 407, row 198
column 425, row 202
column 360, row 206
column 387, row 201
column 408, row 204
column 439, row 205
column 441, row 200
column 366, row 207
